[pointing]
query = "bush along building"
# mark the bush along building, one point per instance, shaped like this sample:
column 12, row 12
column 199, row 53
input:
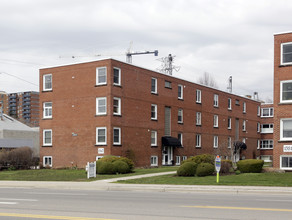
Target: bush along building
column 282, row 152
column 109, row 107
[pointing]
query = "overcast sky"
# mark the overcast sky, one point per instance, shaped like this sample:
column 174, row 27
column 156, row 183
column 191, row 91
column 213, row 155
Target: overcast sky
column 222, row 37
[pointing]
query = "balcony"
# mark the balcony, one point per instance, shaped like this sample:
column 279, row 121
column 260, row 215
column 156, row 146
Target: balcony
column 27, row 95
column 26, row 112
column 267, row 130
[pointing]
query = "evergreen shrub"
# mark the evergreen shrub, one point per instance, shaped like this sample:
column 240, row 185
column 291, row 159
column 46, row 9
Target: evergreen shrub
column 250, row 166
column 120, row 166
column 187, row 169
column 205, row 169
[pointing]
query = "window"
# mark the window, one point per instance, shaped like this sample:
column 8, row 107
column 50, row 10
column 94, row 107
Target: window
column 180, row 138
column 259, row 144
column 154, row 161
column 258, row 127
column 215, row 121
column 167, row 84
column 244, row 125
column 236, row 102
column 154, row 85
column 117, row 136
column 198, row 140
column 267, row 112
column 198, row 118
column 267, row 158
column 229, row 142
column 267, row 128
column 286, row 162
column 216, row 100
column 215, row 142
column 153, row 112
column 184, row 158
column 47, row 161
column 229, row 104
column 47, row 82
column 266, row 144
column 117, row 106
column 101, row 76
column 286, row 129
column 286, row 91
column 101, row 106
column 229, row 123
column 198, row 96
column 244, row 107
column 98, row 157
column 153, row 138
column 180, row 116
column 101, row 136
column 259, row 110
column 47, row 137
column 180, row 92
column 286, row 53
column 117, row 76
column 47, row 106
column 177, row 160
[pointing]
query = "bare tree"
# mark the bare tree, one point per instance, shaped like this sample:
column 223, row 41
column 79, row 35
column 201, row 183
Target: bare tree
column 207, row 80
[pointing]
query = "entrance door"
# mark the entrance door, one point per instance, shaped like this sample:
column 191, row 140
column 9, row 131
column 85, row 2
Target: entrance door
column 167, row 156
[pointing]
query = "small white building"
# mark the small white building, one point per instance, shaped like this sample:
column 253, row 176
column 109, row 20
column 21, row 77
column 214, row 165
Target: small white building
column 14, row 134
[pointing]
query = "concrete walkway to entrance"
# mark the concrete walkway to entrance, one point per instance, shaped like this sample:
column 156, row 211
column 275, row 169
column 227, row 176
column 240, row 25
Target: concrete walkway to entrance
column 109, row 185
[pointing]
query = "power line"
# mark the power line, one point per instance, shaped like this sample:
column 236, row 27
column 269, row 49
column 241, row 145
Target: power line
column 19, row 78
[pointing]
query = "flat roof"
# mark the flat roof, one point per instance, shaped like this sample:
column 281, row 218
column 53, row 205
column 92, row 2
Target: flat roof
column 286, row 32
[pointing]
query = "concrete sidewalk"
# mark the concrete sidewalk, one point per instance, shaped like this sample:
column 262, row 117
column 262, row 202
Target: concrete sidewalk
column 108, row 185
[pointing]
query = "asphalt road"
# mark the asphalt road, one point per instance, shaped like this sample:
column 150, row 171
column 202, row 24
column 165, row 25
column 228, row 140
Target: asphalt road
column 24, row 203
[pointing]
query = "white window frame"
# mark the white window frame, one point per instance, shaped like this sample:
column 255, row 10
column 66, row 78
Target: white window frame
column 154, row 161
column 259, row 144
column 216, row 119
column 281, row 91
column 155, row 85
column 119, row 76
column 229, row 123
column 198, row 96
column 180, row 138
column 282, row 62
column 119, row 142
column 155, row 111
column 48, row 164
column 105, row 136
column 258, row 127
column 44, row 82
column 180, row 114
column 44, row 137
column 266, row 143
column 177, row 160
column 215, row 141
column 47, row 111
column 198, row 140
column 97, row 106
column 259, row 110
column 180, row 91
column 167, row 84
column 281, row 158
column 268, row 130
column 270, row 158
column 198, row 118
column 281, row 129
column 229, row 142
column 244, row 125
column 118, row 107
column 244, row 107
column 97, row 76
column 154, row 138
column 229, row 103
column 184, row 158
column 270, row 112
column 216, row 100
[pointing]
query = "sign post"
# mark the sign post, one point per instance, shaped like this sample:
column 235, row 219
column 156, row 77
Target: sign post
column 218, row 166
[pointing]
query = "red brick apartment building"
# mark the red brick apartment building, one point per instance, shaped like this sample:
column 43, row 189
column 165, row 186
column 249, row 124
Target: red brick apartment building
column 282, row 153
column 110, row 107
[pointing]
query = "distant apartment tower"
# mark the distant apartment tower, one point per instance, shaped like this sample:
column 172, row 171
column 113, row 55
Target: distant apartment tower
column 108, row 107
column 4, row 102
column 282, row 153
column 24, row 106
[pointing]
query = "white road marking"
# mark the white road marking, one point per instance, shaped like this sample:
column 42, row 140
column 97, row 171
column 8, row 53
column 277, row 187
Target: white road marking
column 274, row 200
column 8, row 203
column 65, row 194
column 12, row 199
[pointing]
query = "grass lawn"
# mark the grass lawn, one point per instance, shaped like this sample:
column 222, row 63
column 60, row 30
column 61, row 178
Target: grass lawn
column 69, row 175
column 246, row 179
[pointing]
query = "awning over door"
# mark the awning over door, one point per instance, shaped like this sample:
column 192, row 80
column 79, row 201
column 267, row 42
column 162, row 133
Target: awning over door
column 171, row 141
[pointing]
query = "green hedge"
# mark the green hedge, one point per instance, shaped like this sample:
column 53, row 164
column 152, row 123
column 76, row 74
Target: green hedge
column 113, row 169
column 187, row 169
column 205, row 169
column 203, row 158
column 250, row 166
